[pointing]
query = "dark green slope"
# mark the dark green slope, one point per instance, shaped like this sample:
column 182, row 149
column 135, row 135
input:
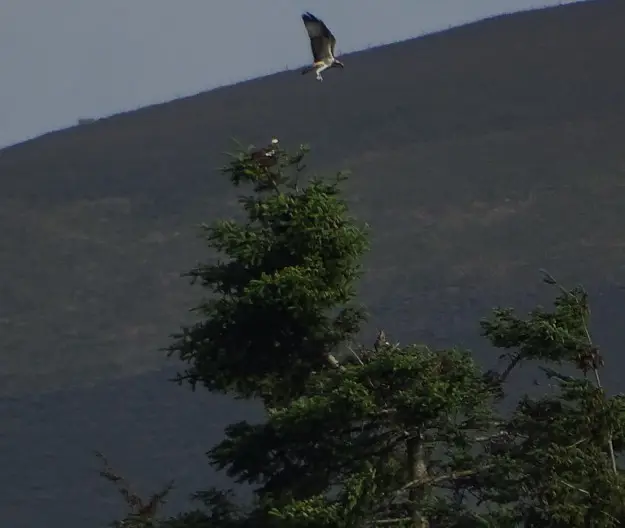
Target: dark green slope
column 479, row 155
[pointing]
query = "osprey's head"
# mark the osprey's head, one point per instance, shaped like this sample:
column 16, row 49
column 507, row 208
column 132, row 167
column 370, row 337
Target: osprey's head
column 338, row 63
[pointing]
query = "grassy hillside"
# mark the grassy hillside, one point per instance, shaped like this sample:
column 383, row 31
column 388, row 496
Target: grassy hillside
column 479, row 155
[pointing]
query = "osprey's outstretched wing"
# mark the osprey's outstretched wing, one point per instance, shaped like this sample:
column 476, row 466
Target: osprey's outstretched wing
column 322, row 41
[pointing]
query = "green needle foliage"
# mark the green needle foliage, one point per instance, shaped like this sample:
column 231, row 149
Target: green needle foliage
column 557, row 465
column 384, row 435
column 280, row 302
column 427, row 447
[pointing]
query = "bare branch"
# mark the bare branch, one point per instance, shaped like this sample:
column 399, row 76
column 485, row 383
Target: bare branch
column 391, row 521
column 139, row 508
column 442, row 478
column 355, row 355
column 573, row 487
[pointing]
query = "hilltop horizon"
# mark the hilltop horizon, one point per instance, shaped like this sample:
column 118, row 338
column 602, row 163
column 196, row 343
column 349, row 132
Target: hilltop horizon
column 428, row 24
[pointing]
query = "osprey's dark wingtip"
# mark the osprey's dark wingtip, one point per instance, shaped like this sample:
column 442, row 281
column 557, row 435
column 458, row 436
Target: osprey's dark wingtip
column 308, row 16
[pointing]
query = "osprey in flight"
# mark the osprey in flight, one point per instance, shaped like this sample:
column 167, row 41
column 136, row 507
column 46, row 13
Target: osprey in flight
column 322, row 44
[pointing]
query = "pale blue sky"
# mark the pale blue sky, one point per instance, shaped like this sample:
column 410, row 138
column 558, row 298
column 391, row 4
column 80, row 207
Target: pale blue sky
column 61, row 60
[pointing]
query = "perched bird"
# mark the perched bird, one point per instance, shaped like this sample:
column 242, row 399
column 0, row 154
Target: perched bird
column 322, row 43
column 266, row 157
column 380, row 341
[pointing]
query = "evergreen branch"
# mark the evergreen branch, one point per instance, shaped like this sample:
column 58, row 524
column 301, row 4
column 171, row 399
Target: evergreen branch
column 549, row 279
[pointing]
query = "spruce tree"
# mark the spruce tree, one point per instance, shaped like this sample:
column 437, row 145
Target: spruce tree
column 388, row 434
column 281, row 297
